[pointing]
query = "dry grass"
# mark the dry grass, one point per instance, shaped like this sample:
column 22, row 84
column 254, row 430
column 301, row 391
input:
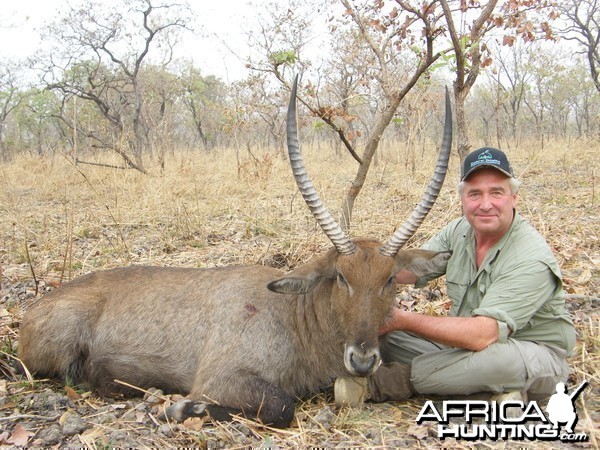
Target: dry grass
column 58, row 221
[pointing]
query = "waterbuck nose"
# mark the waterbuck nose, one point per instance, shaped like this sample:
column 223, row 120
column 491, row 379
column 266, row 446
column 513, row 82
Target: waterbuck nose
column 361, row 361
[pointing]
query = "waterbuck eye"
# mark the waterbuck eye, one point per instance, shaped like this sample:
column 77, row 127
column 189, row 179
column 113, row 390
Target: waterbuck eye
column 390, row 282
column 388, row 285
column 341, row 280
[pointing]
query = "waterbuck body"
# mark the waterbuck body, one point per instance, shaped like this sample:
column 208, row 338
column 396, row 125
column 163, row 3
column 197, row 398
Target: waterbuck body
column 218, row 334
column 238, row 340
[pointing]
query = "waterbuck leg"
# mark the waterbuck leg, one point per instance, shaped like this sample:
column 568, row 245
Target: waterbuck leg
column 186, row 408
column 249, row 396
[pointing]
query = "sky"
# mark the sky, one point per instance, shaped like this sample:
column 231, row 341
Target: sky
column 221, row 20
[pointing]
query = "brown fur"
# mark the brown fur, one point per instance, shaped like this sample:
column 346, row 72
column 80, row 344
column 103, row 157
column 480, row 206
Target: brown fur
column 222, row 335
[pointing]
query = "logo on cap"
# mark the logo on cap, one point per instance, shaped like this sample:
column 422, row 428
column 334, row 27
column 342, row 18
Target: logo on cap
column 487, row 159
column 485, row 155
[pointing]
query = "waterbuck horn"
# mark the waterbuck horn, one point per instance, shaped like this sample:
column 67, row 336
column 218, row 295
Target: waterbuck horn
column 334, row 232
column 408, row 228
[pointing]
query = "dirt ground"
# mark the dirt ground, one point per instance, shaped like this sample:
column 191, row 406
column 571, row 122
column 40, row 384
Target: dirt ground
column 58, row 221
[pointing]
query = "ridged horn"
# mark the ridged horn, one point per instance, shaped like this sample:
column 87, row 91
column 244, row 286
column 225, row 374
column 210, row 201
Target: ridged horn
column 408, row 228
column 334, row 232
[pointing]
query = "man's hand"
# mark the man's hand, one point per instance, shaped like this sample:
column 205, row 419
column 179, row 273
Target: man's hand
column 394, row 322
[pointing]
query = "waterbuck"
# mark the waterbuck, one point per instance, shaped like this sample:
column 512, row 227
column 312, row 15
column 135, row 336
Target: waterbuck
column 238, row 340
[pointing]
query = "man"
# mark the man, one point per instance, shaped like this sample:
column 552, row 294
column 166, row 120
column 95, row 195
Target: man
column 508, row 332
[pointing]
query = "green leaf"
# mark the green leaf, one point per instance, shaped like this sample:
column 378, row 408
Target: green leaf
column 282, row 57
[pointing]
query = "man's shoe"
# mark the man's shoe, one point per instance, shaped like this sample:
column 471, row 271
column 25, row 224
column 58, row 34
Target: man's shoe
column 391, row 382
column 350, row 391
column 512, row 412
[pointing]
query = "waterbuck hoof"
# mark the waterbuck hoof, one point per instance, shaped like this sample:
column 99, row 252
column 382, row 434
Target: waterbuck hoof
column 184, row 409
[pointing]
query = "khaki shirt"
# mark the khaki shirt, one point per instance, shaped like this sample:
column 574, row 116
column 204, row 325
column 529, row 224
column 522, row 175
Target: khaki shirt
column 519, row 283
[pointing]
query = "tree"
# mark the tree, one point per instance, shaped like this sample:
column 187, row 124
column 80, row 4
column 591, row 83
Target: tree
column 518, row 19
column 387, row 52
column 468, row 53
column 544, row 68
column 11, row 96
column 512, row 81
column 100, row 54
column 583, row 27
column 204, row 99
column 585, row 102
column 38, row 122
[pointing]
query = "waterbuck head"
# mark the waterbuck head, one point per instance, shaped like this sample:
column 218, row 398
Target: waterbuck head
column 359, row 276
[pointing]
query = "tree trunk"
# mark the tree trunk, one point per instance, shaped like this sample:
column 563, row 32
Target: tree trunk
column 463, row 144
column 139, row 138
column 363, row 168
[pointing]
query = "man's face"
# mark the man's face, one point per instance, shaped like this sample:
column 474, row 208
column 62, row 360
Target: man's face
column 488, row 203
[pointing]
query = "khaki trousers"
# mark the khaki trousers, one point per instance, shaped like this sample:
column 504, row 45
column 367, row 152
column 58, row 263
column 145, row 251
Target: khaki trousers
column 441, row 370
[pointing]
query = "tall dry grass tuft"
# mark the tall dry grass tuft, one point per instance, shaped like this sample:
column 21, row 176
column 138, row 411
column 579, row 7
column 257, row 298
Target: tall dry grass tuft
column 58, row 221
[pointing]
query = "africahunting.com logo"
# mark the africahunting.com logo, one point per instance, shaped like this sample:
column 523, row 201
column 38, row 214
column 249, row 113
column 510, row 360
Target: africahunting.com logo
column 479, row 420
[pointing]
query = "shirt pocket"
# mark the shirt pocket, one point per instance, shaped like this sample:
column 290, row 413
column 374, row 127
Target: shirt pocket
column 457, row 281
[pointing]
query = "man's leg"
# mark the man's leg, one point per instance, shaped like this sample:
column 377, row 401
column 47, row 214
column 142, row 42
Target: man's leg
column 546, row 369
column 413, row 364
column 501, row 367
column 438, row 369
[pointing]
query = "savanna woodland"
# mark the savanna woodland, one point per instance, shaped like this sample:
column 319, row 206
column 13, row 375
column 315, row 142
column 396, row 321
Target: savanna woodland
column 116, row 151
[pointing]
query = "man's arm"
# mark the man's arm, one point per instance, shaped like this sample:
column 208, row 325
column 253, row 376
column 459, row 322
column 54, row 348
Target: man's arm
column 470, row 333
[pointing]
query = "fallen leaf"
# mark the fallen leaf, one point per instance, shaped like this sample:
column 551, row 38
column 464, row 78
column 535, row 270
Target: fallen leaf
column 194, row 423
column 418, row 431
column 5, row 316
column 408, row 304
column 72, row 394
column 585, row 277
column 90, row 438
column 4, row 437
column 20, row 436
column 8, row 405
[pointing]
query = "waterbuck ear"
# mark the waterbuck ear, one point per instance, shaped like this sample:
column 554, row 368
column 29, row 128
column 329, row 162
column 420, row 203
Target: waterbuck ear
column 305, row 277
column 422, row 262
column 292, row 285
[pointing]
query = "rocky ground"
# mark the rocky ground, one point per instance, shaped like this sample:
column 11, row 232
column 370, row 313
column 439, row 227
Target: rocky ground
column 48, row 414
